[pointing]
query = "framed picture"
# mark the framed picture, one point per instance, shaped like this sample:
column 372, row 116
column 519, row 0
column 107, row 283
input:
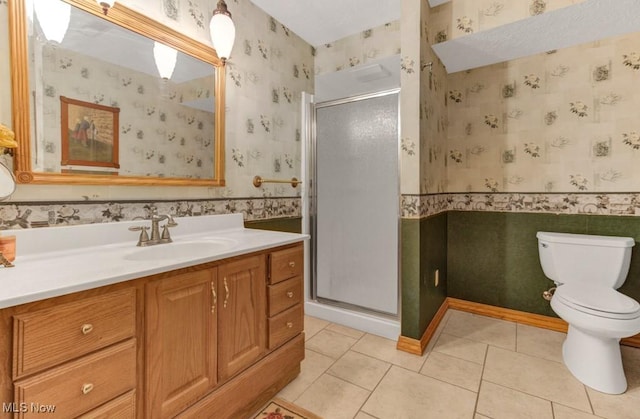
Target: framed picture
column 89, row 134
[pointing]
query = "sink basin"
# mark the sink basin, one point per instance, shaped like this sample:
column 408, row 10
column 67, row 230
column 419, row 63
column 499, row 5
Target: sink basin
column 181, row 250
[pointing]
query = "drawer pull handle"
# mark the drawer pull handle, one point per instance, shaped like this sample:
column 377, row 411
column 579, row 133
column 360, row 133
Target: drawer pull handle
column 86, row 328
column 292, row 264
column 289, row 325
column 215, row 297
column 226, row 290
column 86, row 388
column 290, row 294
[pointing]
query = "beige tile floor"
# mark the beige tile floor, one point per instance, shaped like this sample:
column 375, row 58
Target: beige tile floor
column 476, row 367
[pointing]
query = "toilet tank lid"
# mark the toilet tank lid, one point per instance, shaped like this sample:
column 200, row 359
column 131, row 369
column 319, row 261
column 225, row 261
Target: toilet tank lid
column 585, row 239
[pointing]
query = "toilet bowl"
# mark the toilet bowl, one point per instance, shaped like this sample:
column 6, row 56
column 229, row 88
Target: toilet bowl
column 591, row 350
column 587, row 271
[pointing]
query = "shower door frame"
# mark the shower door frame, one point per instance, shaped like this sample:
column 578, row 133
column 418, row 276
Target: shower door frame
column 313, row 219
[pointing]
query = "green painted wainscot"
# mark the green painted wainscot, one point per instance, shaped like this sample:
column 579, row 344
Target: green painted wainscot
column 491, row 258
column 424, row 249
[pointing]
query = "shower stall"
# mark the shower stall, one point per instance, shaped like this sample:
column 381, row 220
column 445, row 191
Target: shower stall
column 351, row 210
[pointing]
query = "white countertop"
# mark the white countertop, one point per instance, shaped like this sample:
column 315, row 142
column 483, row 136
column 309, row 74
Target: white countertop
column 56, row 261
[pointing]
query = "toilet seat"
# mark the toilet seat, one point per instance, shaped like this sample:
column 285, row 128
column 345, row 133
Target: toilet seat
column 598, row 301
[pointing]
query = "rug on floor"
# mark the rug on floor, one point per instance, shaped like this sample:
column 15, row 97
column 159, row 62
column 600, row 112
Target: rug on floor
column 280, row 409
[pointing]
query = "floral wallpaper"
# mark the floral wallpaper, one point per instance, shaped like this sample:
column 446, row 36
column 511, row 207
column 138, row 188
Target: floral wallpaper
column 433, row 113
column 560, row 124
column 419, row 206
column 539, row 134
column 563, row 121
column 160, row 133
column 357, row 49
column 268, row 69
column 50, row 214
column 410, row 96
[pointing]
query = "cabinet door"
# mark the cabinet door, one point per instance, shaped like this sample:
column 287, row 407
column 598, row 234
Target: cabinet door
column 180, row 341
column 242, row 314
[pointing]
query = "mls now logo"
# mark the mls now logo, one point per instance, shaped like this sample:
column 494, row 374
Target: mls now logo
column 27, row 407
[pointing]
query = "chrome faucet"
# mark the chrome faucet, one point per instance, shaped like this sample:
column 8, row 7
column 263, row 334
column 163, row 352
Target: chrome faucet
column 156, row 237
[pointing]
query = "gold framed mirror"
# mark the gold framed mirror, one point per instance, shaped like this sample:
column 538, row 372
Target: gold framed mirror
column 123, row 123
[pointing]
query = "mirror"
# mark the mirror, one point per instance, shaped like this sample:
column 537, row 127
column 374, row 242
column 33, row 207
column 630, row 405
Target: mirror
column 7, row 182
column 100, row 112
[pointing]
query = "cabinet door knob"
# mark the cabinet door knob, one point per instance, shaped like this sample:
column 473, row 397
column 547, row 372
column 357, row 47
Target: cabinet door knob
column 289, row 325
column 290, row 294
column 292, row 264
column 86, row 328
column 86, row 388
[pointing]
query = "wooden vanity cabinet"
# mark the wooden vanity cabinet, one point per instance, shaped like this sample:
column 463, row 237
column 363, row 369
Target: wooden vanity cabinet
column 181, row 341
column 286, row 315
column 216, row 340
column 242, row 322
column 71, row 356
column 211, row 335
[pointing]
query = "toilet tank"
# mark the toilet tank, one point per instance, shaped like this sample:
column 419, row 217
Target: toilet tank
column 602, row 260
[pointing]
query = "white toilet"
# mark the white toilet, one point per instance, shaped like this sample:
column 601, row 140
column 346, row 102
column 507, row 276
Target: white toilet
column 587, row 271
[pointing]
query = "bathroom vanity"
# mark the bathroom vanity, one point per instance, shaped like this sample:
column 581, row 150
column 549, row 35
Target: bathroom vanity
column 210, row 325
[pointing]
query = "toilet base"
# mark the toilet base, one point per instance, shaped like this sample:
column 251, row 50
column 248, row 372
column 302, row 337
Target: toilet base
column 594, row 361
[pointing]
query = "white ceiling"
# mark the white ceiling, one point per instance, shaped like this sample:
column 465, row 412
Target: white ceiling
column 584, row 22
column 322, row 22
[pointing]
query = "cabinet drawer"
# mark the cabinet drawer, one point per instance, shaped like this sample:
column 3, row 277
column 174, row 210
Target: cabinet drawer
column 285, row 325
column 81, row 385
column 123, row 407
column 284, row 294
column 51, row 336
column 286, row 264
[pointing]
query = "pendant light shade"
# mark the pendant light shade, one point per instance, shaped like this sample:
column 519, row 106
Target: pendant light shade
column 54, row 18
column 223, row 31
column 165, row 58
column 106, row 5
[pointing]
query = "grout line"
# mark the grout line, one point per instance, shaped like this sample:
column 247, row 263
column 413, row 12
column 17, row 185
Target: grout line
column 344, row 334
column 573, row 408
column 589, row 399
column 323, row 372
column 537, row 396
column 374, row 389
column 355, row 384
column 319, row 330
column 484, row 366
column 457, row 357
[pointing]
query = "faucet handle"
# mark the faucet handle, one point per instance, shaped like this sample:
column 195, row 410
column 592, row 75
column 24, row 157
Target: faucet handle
column 165, row 230
column 144, row 236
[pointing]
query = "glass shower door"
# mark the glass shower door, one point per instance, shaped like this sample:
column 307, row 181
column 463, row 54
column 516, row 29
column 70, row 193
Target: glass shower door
column 356, row 202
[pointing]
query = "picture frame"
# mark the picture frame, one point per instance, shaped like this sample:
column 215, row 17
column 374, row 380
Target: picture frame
column 89, row 134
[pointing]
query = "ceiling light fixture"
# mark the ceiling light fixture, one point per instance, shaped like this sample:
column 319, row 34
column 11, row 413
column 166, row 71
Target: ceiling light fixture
column 165, row 58
column 223, row 31
column 106, row 5
column 54, row 18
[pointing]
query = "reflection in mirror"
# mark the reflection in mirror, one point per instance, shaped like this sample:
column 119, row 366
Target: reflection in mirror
column 7, row 182
column 110, row 105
